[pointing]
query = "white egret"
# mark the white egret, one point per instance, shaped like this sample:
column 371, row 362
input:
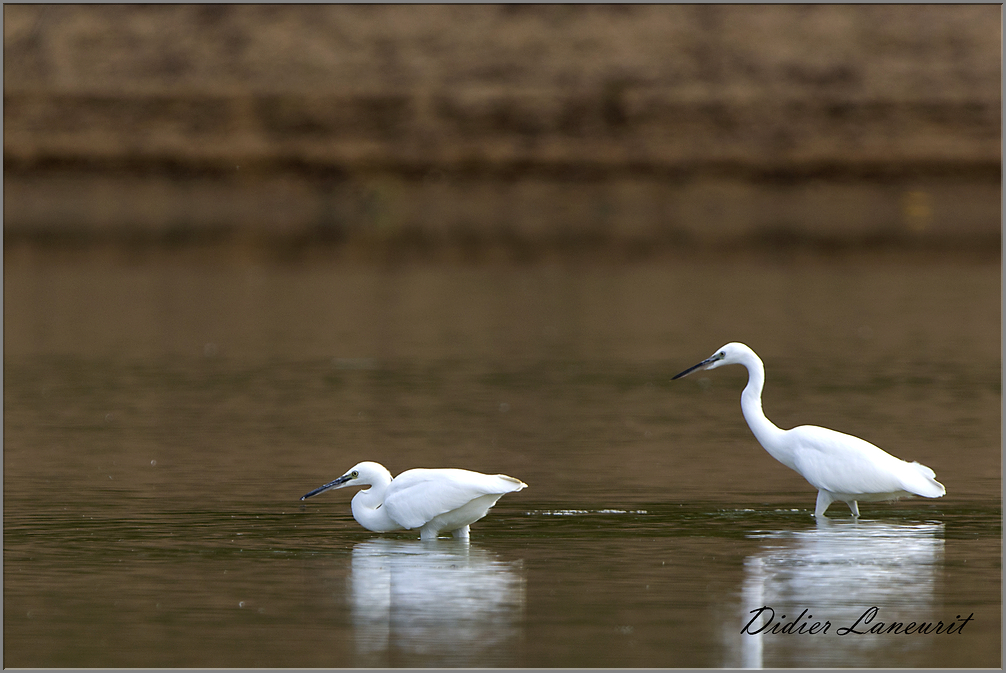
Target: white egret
column 841, row 467
column 433, row 501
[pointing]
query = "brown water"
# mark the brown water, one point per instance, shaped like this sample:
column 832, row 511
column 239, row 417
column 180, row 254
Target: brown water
column 161, row 420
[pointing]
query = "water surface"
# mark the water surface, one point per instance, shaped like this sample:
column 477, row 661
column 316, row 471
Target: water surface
column 162, row 419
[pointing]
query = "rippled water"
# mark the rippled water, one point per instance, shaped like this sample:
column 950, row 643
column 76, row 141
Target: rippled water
column 162, row 419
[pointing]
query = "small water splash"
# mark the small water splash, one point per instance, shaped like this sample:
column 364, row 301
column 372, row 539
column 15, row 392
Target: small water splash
column 578, row 512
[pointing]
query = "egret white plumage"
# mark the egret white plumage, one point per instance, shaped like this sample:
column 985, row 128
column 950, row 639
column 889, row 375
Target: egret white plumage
column 432, row 500
column 841, row 467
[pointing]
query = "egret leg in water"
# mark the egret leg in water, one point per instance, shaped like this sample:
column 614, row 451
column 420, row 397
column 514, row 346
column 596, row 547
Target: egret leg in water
column 431, row 500
column 841, row 467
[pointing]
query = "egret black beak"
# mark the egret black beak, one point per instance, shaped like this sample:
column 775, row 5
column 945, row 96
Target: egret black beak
column 332, row 484
column 702, row 365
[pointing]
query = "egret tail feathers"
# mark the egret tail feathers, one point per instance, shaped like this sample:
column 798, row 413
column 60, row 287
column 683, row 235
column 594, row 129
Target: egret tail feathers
column 924, row 483
column 514, row 484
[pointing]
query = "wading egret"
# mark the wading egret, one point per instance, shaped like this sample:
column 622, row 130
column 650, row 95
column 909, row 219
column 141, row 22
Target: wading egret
column 841, row 467
column 433, row 501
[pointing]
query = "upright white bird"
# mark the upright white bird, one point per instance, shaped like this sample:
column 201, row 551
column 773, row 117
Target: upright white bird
column 433, row 501
column 841, row 467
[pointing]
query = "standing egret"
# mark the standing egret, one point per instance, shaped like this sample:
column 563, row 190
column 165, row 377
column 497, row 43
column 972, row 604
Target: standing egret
column 841, row 467
column 430, row 500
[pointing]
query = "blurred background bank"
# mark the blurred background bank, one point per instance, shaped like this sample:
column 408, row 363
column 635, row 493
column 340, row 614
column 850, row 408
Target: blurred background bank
column 513, row 132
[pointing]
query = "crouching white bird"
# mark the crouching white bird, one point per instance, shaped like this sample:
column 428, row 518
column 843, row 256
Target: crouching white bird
column 841, row 467
column 432, row 500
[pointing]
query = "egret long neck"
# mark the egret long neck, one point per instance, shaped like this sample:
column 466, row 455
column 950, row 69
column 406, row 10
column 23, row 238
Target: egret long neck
column 768, row 434
column 368, row 510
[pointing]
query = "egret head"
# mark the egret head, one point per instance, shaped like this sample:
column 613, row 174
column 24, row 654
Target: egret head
column 362, row 474
column 733, row 353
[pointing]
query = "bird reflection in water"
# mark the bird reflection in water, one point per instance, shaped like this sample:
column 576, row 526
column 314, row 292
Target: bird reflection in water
column 435, row 603
column 836, row 571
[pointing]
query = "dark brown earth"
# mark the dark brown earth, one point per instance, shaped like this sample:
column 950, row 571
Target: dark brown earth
column 517, row 128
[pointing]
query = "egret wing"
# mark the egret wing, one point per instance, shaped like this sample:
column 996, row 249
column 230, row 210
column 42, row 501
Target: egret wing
column 841, row 463
column 417, row 496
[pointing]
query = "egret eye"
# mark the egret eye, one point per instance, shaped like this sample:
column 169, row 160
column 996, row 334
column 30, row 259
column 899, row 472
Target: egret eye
column 354, row 474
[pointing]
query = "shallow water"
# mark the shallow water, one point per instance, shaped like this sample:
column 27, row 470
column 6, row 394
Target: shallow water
column 162, row 419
